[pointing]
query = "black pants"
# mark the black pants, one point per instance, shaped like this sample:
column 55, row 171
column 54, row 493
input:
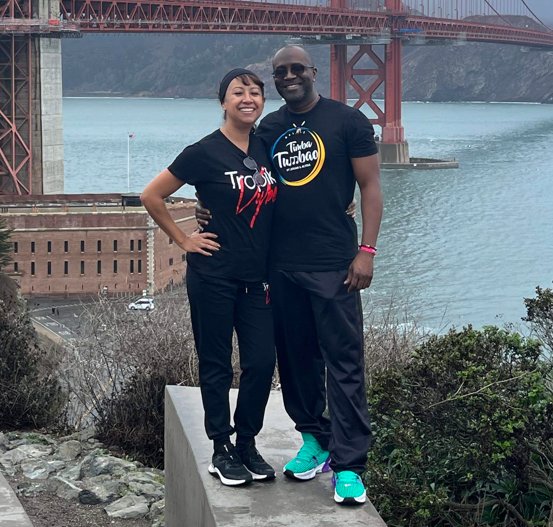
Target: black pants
column 317, row 324
column 217, row 306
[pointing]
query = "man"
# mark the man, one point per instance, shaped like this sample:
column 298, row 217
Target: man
column 320, row 148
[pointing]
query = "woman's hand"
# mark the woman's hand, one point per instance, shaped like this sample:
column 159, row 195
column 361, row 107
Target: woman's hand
column 199, row 242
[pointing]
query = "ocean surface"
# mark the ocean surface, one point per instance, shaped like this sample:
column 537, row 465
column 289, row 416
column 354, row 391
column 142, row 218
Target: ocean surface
column 456, row 247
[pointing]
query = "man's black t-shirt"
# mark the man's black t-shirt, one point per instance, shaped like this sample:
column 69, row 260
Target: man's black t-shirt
column 242, row 209
column 311, row 154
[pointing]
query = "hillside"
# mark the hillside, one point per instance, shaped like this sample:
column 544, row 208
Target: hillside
column 192, row 66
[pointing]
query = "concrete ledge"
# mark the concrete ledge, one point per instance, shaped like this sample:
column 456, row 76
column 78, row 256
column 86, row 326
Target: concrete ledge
column 194, row 498
column 11, row 511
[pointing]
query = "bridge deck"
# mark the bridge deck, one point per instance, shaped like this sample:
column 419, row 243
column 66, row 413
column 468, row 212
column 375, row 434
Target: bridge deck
column 196, row 499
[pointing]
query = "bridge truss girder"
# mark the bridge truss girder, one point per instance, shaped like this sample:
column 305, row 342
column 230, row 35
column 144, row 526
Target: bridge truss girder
column 15, row 115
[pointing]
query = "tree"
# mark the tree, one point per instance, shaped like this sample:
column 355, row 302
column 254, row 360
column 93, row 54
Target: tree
column 5, row 244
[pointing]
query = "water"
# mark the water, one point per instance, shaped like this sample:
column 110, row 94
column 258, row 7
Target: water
column 456, row 246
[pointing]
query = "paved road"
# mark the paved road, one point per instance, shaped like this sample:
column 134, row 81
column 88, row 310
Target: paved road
column 61, row 316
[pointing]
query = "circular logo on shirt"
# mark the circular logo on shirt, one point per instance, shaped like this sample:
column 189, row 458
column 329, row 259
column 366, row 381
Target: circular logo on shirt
column 298, row 156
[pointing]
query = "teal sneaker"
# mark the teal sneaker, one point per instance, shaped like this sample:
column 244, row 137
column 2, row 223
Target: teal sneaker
column 348, row 488
column 310, row 461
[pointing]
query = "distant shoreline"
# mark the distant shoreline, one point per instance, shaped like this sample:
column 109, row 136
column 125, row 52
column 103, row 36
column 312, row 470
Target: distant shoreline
column 143, row 97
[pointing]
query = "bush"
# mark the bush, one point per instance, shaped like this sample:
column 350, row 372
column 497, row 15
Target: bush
column 540, row 315
column 120, row 365
column 463, row 434
column 30, row 395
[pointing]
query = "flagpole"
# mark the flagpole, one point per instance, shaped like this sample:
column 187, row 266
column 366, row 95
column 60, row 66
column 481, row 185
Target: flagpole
column 128, row 162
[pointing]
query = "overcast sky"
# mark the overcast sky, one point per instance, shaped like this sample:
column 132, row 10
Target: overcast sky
column 542, row 8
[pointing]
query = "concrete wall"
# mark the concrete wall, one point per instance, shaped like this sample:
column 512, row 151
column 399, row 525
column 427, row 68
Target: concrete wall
column 11, row 511
column 194, row 498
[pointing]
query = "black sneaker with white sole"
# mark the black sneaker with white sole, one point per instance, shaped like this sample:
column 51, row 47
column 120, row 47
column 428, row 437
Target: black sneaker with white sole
column 227, row 466
column 254, row 462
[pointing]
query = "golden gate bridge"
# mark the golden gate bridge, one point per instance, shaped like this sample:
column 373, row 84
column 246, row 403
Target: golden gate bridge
column 338, row 23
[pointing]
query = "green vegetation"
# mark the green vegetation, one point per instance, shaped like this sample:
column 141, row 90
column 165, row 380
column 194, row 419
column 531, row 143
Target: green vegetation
column 30, row 394
column 5, row 244
column 464, row 434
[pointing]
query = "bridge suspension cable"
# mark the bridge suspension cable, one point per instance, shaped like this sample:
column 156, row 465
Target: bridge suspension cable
column 536, row 16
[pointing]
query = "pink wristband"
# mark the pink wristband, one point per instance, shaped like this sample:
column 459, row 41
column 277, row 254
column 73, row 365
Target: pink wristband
column 367, row 249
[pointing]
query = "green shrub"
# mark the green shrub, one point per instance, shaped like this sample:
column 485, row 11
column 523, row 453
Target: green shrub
column 540, row 315
column 30, row 395
column 463, row 434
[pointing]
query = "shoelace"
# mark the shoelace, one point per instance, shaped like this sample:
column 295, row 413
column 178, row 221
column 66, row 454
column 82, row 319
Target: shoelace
column 347, row 478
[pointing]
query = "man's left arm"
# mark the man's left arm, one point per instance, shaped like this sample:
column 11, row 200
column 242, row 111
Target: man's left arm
column 367, row 174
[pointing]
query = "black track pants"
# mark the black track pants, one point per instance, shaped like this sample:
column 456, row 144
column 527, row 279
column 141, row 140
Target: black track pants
column 217, row 306
column 317, row 324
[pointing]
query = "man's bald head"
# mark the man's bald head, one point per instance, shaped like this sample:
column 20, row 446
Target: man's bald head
column 293, row 54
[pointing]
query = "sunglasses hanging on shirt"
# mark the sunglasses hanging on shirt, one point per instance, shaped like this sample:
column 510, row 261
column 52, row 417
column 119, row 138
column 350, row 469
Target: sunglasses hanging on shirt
column 250, row 164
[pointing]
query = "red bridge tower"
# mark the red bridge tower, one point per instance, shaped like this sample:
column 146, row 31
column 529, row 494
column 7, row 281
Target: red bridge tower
column 393, row 148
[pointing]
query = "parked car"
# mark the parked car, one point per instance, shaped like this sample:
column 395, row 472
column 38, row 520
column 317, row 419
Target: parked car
column 146, row 304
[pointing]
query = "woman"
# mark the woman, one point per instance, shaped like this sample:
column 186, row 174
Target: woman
column 226, row 273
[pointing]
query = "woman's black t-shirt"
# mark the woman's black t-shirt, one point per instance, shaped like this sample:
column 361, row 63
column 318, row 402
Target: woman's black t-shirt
column 242, row 208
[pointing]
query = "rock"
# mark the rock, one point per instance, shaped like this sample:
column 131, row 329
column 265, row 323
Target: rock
column 19, row 442
column 27, row 489
column 71, row 473
column 129, row 507
column 87, row 433
column 69, row 450
column 76, row 436
column 7, row 468
column 35, row 469
column 140, row 477
column 101, row 489
column 107, row 465
column 63, row 488
column 157, row 510
column 56, row 465
column 159, row 522
column 95, row 495
column 25, row 452
column 151, row 491
column 4, row 442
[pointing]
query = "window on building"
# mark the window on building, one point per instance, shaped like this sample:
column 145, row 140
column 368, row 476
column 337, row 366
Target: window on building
column 66, row 247
column 32, row 268
column 82, row 267
column 115, row 246
column 66, row 267
column 15, row 267
column 115, row 266
column 82, row 246
column 15, row 247
column 139, row 266
column 139, row 245
column 32, row 247
column 132, row 245
column 184, row 257
column 99, row 267
column 132, row 266
column 170, row 261
column 170, row 241
column 49, row 247
column 49, row 265
column 99, row 246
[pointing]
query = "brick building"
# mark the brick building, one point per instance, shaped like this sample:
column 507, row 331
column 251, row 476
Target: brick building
column 83, row 244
